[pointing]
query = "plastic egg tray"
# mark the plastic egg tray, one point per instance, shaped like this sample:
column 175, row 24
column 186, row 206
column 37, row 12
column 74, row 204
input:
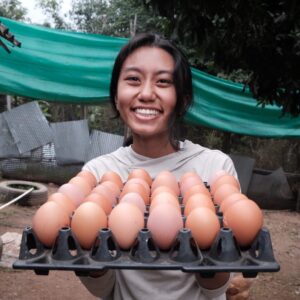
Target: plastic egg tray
column 223, row 255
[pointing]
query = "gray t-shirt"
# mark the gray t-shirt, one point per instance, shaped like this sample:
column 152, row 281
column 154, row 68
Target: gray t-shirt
column 157, row 284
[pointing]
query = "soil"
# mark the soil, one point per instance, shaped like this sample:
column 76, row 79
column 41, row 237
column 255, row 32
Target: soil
column 284, row 227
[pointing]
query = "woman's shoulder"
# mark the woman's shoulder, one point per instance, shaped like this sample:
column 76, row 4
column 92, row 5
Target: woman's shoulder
column 188, row 145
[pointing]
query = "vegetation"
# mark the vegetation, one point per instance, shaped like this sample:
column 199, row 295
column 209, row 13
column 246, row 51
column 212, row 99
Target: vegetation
column 256, row 43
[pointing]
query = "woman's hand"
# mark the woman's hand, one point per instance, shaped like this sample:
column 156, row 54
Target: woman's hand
column 212, row 283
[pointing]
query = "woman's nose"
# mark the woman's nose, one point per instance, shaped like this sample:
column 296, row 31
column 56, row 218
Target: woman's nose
column 147, row 92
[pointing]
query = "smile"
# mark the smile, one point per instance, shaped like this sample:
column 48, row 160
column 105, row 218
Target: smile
column 146, row 111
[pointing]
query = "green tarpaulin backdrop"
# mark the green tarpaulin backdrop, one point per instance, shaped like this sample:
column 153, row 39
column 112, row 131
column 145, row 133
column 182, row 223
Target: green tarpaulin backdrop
column 64, row 66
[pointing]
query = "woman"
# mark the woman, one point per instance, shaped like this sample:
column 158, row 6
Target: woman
column 151, row 89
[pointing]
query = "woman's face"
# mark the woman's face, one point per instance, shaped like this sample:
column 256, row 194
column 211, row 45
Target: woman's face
column 146, row 95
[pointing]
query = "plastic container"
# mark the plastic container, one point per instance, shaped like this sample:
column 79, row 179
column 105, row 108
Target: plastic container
column 223, row 255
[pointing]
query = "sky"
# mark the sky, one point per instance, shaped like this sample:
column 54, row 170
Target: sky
column 36, row 15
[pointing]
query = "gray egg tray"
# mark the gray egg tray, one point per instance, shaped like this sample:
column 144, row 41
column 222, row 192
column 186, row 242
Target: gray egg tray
column 223, row 255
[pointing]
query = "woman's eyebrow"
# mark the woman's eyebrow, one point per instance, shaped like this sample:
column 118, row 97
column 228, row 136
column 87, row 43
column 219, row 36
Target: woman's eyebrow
column 159, row 72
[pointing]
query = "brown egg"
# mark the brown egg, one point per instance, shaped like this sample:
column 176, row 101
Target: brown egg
column 125, row 222
column 66, row 203
column 114, row 177
column 82, row 183
column 189, row 174
column 86, row 222
column 229, row 200
column 48, row 220
column 164, row 223
column 89, row 176
column 216, row 175
column 140, row 173
column 225, row 179
column 161, row 189
column 73, row 192
column 245, row 219
column 166, row 178
column 106, row 192
column 198, row 200
column 164, row 197
column 224, row 191
column 188, row 182
column 101, row 200
column 114, row 188
column 198, row 188
column 136, row 188
column 204, row 225
column 140, row 181
column 135, row 199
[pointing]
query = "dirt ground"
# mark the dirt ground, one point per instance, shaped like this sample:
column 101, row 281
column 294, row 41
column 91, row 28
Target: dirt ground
column 284, row 227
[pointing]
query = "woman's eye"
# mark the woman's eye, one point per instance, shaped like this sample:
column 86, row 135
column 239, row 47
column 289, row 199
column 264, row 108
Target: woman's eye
column 165, row 81
column 132, row 78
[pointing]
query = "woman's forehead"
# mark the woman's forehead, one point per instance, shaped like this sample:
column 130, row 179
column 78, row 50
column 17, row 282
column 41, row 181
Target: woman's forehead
column 149, row 57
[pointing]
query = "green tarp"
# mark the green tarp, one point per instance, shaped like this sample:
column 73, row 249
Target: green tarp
column 72, row 67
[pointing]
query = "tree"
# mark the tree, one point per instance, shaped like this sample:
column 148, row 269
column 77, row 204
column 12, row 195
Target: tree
column 115, row 17
column 12, row 9
column 260, row 37
column 52, row 9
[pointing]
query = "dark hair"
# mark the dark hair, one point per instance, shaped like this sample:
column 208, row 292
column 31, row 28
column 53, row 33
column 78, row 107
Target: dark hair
column 182, row 76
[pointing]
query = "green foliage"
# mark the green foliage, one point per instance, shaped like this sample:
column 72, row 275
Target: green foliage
column 52, row 9
column 115, row 17
column 260, row 37
column 12, row 9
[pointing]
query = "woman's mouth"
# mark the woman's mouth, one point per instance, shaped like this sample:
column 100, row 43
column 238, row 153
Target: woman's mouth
column 146, row 112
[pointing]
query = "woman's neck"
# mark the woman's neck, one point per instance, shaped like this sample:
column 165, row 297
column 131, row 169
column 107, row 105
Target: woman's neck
column 153, row 148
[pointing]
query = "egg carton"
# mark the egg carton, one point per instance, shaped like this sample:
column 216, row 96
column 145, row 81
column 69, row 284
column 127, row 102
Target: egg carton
column 223, row 255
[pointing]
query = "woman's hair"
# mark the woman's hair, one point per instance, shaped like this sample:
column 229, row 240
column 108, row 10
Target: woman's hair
column 182, row 77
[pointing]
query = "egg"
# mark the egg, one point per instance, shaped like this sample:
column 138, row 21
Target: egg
column 135, row 199
column 140, row 173
column 164, row 223
column 48, row 220
column 140, row 181
column 106, row 192
column 165, row 197
column 112, row 176
column 166, row 178
column 161, row 189
column 189, row 174
column 225, row 179
column 73, row 192
column 229, row 200
column 223, row 191
column 216, row 175
column 198, row 200
column 204, row 226
column 198, row 188
column 190, row 181
column 125, row 222
column 89, row 176
column 245, row 219
column 136, row 188
column 86, row 222
column 82, row 183
column 113, row 187
column 101, row 200
column 66, row 203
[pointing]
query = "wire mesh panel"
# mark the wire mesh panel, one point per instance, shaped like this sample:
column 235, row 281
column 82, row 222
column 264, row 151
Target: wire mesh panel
column 71, row 141
column 28, row 127
column 103, row 143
